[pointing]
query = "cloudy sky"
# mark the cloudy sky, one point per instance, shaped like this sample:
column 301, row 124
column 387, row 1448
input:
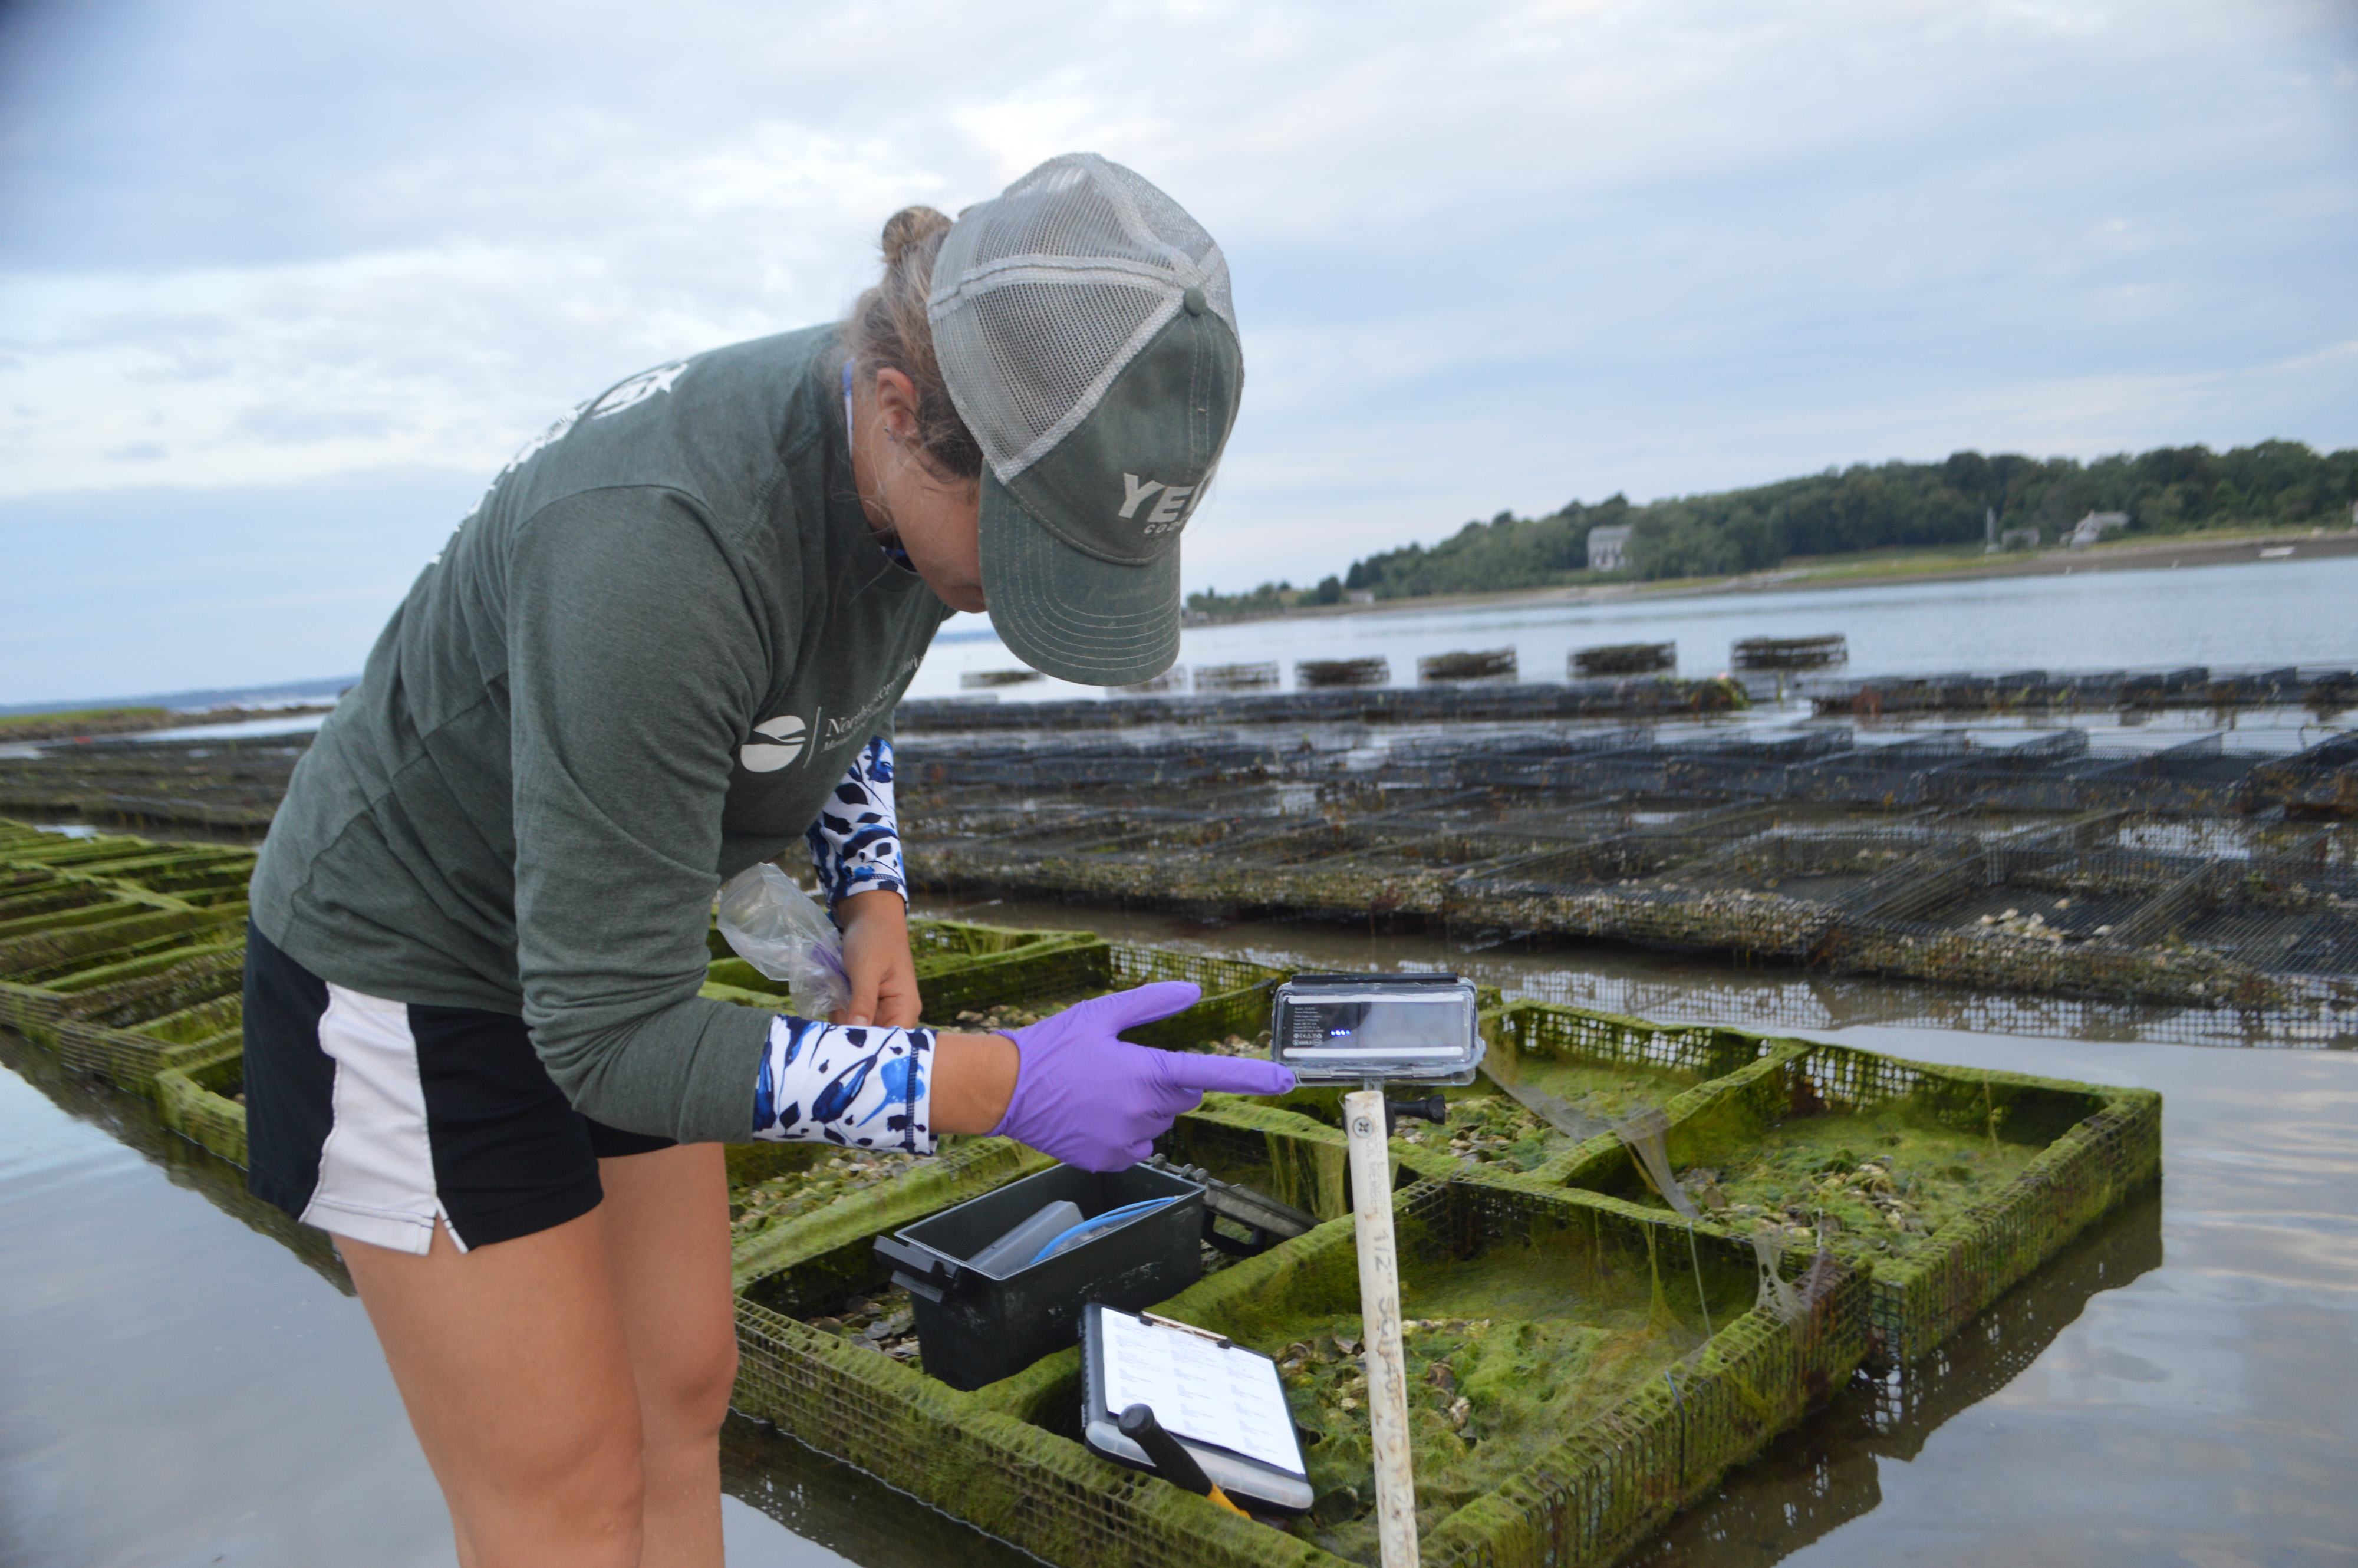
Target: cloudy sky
column 281, row 285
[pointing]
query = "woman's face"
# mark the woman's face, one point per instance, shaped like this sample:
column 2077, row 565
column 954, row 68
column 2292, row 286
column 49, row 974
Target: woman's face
column 939, row 522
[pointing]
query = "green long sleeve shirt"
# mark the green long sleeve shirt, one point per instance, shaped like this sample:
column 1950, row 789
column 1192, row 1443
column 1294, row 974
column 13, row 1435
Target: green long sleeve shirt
column 639, row 666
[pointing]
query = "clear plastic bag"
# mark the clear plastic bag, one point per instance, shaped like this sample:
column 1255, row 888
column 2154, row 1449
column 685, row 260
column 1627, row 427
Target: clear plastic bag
column 774, row 926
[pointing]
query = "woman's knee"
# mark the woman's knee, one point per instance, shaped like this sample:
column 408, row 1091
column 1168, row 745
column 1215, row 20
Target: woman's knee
column 607, row 1485
column 572, row 1496
column 692, row 1384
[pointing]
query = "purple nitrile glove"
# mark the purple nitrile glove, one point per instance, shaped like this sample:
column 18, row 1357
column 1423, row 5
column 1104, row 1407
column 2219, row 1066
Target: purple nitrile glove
column 1098, row 1102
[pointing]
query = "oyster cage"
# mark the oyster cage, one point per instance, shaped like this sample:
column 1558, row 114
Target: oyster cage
column 2189, row 877
column 2011, row 1167
column 123, row 959
column 1725, row 1376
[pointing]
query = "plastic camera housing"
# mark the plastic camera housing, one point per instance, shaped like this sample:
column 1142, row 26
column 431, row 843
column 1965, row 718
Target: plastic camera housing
column 1393, row 1029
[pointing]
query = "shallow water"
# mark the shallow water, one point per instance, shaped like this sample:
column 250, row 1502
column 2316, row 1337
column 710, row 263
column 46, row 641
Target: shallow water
column 179, row 1386
column 2199, row 1409
column 2259, row 615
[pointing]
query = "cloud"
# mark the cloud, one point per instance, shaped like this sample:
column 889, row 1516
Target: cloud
column 1484, row 256
column 164, row 587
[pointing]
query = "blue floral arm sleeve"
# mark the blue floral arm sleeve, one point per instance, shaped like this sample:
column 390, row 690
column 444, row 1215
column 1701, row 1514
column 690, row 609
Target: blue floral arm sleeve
column 859, row 1086
column 856, row 843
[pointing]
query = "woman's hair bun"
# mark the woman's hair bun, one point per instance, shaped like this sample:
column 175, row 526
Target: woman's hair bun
column 910, row 226
column 889, row 330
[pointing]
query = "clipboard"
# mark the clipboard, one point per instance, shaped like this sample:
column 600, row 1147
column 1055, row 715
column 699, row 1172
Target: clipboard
column 1264, row 1465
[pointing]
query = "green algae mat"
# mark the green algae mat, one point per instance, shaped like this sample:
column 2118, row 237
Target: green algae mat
column 1887, row 1181
column 1584, row 1359
column 1525, row 1322
column 1583, row 1369
column 1946, row 1185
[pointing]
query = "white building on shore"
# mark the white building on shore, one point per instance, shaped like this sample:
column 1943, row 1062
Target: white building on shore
column 2094, row 526
column 1606, row 547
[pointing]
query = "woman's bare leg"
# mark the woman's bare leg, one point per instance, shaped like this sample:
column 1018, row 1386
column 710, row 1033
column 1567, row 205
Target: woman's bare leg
column 667, row 1235
column 516, row 1367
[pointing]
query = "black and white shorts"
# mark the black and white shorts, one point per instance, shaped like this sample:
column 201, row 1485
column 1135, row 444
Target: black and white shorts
column 373, row 1119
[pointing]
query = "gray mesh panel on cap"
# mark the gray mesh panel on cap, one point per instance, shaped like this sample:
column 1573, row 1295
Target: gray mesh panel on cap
column 1043, row 294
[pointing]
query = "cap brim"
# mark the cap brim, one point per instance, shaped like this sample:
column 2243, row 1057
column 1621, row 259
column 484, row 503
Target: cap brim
column 1071, row 615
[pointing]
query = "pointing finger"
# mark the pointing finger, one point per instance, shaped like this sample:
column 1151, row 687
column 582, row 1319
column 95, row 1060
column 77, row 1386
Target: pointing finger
column 1228, row 1075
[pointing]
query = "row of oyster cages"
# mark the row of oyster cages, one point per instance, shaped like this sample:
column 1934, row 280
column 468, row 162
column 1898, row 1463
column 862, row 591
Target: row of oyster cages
column 1605, row 662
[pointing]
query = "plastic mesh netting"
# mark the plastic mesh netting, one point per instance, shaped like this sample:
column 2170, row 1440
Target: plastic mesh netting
column 155, row 1007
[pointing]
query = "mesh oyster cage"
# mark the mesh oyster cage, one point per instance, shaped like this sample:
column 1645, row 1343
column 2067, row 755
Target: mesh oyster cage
column 2099, row 1145
column 1598, row 1490
column 117, row 980
column 202, row 1098
column 221, row 784
column 924, row 719
column 1259, row 676
column 823, row 1254
column 1936, row 832
column 1317, row 673
column 2039, row 691
column 1294, row 1157
column 186, row 1056
column 999, row 1473
column 994, row 1458
column 1789, row 653
column 1524, row 1032
column 1486, row 664
column 1622, row 659
column 1294, row 1147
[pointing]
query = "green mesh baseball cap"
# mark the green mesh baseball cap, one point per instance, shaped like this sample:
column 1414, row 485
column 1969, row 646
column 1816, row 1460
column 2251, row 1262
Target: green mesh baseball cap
column 1084, row 327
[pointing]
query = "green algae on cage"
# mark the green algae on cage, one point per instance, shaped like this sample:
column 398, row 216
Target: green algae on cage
column 1576, row 1369
column 964, row 968
column 2073, row 1152
column 125, row 961
column 758, row 1206
column 812, row 1256
column 202, row 1098
column 1293, row 1158
column 1485, row 1130
column 1606, row 1092
column 116, row 976
column 157, row 1012
column 1505, row 1352
column 1485, row 1399
column 1887, row 1181
column 1814, row 849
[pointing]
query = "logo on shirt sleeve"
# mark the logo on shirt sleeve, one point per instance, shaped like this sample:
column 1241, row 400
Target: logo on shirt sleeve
column 637, row 390
column 775, row 743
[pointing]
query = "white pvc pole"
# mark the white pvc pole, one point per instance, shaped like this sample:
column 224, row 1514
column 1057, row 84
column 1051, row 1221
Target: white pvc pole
column 1379, row 1311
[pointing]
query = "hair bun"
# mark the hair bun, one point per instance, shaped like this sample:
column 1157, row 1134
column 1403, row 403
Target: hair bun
column 910, row 226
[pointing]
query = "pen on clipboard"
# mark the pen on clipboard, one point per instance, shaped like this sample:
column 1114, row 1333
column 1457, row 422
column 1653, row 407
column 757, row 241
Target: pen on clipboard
column 1171, row 1460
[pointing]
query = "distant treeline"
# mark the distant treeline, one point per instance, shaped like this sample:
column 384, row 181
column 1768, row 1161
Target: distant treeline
column 2168, row 490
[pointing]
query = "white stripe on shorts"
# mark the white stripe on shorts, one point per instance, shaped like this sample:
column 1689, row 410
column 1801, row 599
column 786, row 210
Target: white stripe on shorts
column 377, row 1169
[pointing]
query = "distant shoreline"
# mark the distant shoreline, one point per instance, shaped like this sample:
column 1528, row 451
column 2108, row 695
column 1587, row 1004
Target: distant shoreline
column 103, row 723
column 1875, row 571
